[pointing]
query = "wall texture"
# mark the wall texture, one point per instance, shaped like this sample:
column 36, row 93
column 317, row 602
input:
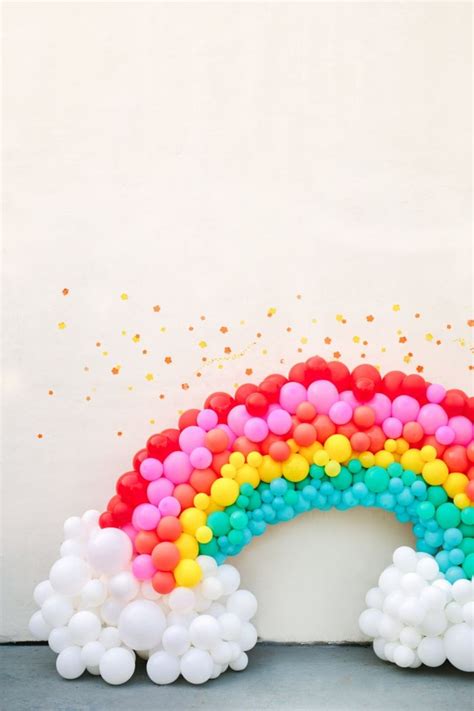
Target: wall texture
column 284, row 170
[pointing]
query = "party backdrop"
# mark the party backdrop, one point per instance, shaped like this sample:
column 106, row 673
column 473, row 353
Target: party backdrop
column 199, row 195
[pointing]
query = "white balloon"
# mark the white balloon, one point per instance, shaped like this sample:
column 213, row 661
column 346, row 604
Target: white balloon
column 403, row 656
column 42, row 591
column 453, row 612
column 459, row 646
column 196, row 666
column 117, row 665
column 111, row 610
column 141, row 624
column 212, row 588
column 221, row 652
column 95, row 671
column 389, row 650
column 90, row 519
column 369, row 622
column 428, row 568
column 240, row 663
column 60, row 638
column 463, row 591
column 389, row 579
column 374, row 598
column 73, row 527
column 204, row 631
column 124, row 586
column 434, row 623
column 84, row 627
column 433, row 598
column 412, row 611
column 38, row 626
column 69, row 663
column 148, row 591
column 69, row 575
column 243, row 603
column 208, row 564
column 431, row 651
column 410, row 637
column 181, row 599
column 234, row 651
column 379, row 648
column 389, row 628
column 229, row 577
column 72, row 546
column 176, row 640
column 412, row 583
column 468, row 613
column 216, row 609
column 201, row 603
column 110, row 637
column 92, row 653
column 93, row 593
column 216, row 670
column 393, row 602
column 230, row 626
column 57, row 610
column 109, row 551
column 248, row 637
column 163, row 668
column 405, row 559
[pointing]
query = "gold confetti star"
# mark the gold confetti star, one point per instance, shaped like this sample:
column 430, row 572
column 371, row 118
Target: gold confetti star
column 356, row 339
column 248, row 371
column 124, row 296
column 304, row 340
column 116, row 369
column 396, row 307
column 136, row 338
column 428, row 336
column 149, row 376
column 61, row 325
column 369, row 318
column 157, row 308
column 202, row 344
column 271, row 312
column 223, row 329
column 124, row 333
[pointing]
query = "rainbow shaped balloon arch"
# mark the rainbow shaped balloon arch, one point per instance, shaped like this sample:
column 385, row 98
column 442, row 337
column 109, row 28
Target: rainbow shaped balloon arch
column 148, row 576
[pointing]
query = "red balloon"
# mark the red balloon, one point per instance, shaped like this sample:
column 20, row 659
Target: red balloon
column 106, row 520
column 415, row 386
column 339, row 375
column 469, row 408
column 347, row 430
column 377, row 438
column 360, row 442
column 138, row 459
column 256, row 404
column 122, row 513
column 454, row 402
column 433, row 442
column 112, row 503
column 392, row 383
column 298, row 373
column 243, row 391
column 279, row 451
column 268, row 441
column 145, row 541
column 317, row 369
column 185, row 495
column 188, row 419
column 364, row 416
column 244, row 445
column 202, row 480
column 271, row 387
column 169, row 529
column 305, row 412
column 160, row 445
column 324, row 427
column 455, row 457
column 221, row 403
column 165, row 556
column 364, row 389
column 367, row 371
column 276, row 378
column 219, row 459
column 132, row 489
column 163, row 582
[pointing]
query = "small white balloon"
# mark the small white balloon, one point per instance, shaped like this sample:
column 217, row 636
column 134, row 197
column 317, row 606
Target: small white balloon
column 60, row 638
column 110, row 551
column 208, row 564
column 221, row 652
column 229, row 577
column 90, row 519
column 110, row 637
column 412, row 611
column 433, row 598
column 69, row 663
column 72, row 546
column 410, row 637
column 248, row 637
column 243, row 603
column 463, row 591
column 141, row 624
column 230, row 626
column 412, row 583
column 73, row 527
column 42, row 591
column 124, row 586
column 405, row 559
column 204, row 631
column 148, row 591
column 93, row 593
column 374, row 598
column 393, row 602
column 389, row 628
column 69, row 575
column 111, row 610
column 379, row 648
column 212, row 588
column 163, row 668
column 92, row 653
column 468, row 613
column 428, row 568
column 434, row 623
column 57, row 610
column 181, row 599
column 39, row 628
column 240, row 663
column 176, row 640
column 84, row 627
column 389, row 579
column 216, row 670
column 431, row 651
column 196, row 666
column 453, row 612
column 117, row 665
column 369, row 622
column 403, row 656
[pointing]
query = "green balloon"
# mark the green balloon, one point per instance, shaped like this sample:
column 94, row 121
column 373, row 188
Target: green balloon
column 467, row 546
column 219, row 523
column 238, row 520
column 437, row 495
column 448, row 516
column 376, row 479
column 426, row 510
column 343, row 480
column 467, row 515
column 468, row 565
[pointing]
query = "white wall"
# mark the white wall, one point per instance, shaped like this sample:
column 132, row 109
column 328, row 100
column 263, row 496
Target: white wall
column 221, row 159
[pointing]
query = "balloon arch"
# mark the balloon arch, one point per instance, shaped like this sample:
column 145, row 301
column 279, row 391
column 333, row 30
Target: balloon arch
column 148, row 576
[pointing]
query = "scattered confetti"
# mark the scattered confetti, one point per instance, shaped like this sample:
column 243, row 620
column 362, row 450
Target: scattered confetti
column 417, row 315
column 470, row 322
column 40, row 436
column 327, row 340
column 224, row 329
column 157, row 308
column 369, row 318
column 116, row 370
column 50, row 392
column 419, row 368
column 402, row 339
column 271, row 312
column 119, row 434
column 356, row 339
column 304, row 340
column 428, row 336
column 124, row 297
column 136, row 338
column 336, row 355
column 248, row 371
column 65, row 292
column 185, row 386
column 61, row 325
column 202, row 344
column 396, row 307
column 149, row 376
column 168, row 360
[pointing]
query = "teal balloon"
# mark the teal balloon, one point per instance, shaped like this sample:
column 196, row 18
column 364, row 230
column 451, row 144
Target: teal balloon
column 376, row 479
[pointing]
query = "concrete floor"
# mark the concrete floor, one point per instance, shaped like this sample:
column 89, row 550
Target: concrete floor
column 278, row 677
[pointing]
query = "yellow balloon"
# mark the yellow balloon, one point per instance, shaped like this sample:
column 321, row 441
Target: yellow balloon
column 308, row 452
column 203, row 534
column 338, row 447
column 390, row 445
column 367, row 459
column 455, row 484
column 428, row 453
column 237, row 459
column 295, row 468
column 225, row 492
column 269, row 469
column 462, row 501
column 384, row 458
column 254, row 459
column 201, row 501
column 191, row 519
column 332, row 468
column 434, row 473
column 187, row 573
column 228, row 471
column 247, row 475
column 321, row 458
column 187, row 546
column 412, row 459
column 402, row 445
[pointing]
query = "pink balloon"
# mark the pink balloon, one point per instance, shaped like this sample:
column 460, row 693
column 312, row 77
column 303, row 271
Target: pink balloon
column 157, row 490
column 322, row 394
column 462, row 429
column 169, row 506
column 392, row 427
column 445, row 434
column 340, row 413
column 190, row 438
column 405, row 408
column 229, row 433
column 237, row 418
column 207, row 419
column 435, row 393
column 291, row 394
column 200, row 458
column 177, row 467
column 256, row 429
column 349, row 397
column 382, row 406
column 279, row 421
column 130, row 531
column 151, row 469
column 431, row 417
column 143, row 568
column 145, row 517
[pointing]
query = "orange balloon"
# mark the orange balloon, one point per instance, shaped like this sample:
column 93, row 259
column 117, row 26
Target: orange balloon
column 216, row 440
column 165, row 556
column 305, row 412
column 185, row 495
column 324, row 427
column 218, row 461
column 279, row 451
column 360, row 442
column 169, row 529
column 364, row 416
column 244, row 445
column 163, row 582
column 304, row 434
column 145, row 541
column 202, row 480
column 413, row 432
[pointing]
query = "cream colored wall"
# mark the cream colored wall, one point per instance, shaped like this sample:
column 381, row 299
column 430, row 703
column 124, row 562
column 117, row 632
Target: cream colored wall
column 221, row 159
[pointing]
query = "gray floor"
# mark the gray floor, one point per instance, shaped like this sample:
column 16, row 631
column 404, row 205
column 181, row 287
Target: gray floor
column 278, row 677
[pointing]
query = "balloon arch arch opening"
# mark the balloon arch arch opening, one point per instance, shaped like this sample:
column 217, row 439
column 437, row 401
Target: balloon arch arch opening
column 150, row 576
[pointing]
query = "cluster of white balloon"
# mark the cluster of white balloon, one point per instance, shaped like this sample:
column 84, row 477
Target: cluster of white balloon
column 97, row 616
column 415, row 616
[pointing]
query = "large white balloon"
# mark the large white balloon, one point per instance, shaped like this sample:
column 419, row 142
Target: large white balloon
column 163, row 668
column 69, row 575
column 176, row 640
column 196, row 666
column 109, row 551
column 84, row 627
column 431, row 651
column 243, row 603
column 69, row 663
column 141, row 624
column 117, row 665
column 459, row 646
column 204, row 631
